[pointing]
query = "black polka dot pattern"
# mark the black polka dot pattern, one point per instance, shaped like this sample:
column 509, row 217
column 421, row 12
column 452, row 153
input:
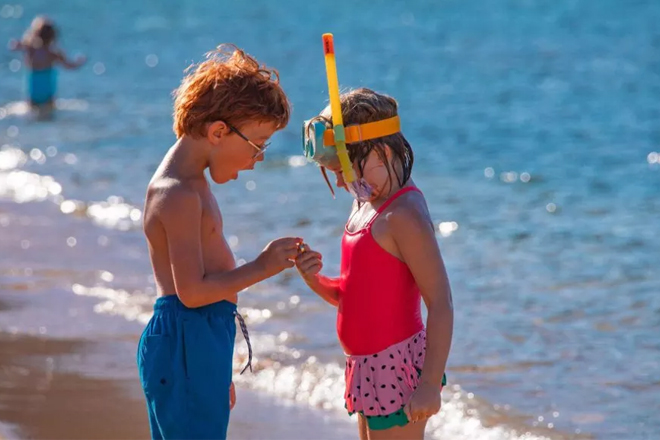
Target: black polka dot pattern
column 374, row 384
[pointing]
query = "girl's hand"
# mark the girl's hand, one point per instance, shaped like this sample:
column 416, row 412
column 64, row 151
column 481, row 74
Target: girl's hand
column 308, row 262
column 80, row 60
column 424, row 403
column 14, row 44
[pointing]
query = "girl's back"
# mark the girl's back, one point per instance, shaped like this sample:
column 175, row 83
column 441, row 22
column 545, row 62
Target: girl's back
column 39, row 45
column 40, row 58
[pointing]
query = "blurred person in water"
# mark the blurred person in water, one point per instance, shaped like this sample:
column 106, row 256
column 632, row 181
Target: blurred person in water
column 42, row 55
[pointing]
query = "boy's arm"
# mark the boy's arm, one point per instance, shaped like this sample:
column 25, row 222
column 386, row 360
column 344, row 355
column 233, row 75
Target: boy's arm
column 181, row 217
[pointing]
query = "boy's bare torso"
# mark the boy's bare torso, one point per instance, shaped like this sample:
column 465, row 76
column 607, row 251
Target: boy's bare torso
column 217, row 256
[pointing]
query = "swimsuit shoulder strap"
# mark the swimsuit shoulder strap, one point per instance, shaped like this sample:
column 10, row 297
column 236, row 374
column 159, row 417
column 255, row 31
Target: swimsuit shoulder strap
column 389, row 201
column 396, row 195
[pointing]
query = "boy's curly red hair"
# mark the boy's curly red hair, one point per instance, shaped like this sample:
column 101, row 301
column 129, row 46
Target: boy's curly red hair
column 229, row 86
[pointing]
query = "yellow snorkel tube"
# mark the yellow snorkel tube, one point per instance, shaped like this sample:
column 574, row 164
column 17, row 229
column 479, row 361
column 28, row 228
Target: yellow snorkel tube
column 323, row 145
column 335, row 107
column 359, row 188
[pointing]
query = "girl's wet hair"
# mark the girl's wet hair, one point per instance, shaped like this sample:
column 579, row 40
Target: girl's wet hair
column 42, row 33
column 361, row 106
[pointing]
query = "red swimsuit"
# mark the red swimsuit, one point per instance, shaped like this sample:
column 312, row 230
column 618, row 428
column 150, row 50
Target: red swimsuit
column 379, row 301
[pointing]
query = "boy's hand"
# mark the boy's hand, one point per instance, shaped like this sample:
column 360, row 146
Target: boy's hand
column 308, row 262
column 279, row 255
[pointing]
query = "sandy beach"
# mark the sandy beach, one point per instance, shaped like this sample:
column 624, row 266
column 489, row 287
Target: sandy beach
column 38, row 400
column 67, row 372
column 43, row 402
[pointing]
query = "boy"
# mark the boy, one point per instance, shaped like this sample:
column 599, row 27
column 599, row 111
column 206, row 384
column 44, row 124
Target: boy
column 224, row 112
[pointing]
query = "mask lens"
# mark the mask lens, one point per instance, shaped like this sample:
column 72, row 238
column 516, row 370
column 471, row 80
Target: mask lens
column 308, row 140
column 313, row 147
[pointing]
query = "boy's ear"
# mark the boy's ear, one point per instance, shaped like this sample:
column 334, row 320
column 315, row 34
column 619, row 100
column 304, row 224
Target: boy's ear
column 216, row 131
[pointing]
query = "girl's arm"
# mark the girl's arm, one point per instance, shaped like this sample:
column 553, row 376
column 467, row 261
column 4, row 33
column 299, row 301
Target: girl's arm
column 325, row 287
column 415, row 238
column 69, row 64
column 15, row 45
column 309, row 264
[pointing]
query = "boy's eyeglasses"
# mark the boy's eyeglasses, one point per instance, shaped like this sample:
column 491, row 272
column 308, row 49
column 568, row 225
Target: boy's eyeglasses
column 260, row 149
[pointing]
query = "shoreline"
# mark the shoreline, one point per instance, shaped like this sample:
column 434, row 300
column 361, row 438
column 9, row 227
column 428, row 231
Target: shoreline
column 41, row 399
column 68, row 372
column 53, row 333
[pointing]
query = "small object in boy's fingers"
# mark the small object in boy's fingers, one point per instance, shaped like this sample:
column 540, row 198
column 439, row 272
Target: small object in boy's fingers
column 301, row 247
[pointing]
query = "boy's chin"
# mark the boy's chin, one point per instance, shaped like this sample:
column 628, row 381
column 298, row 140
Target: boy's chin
column 224, row 178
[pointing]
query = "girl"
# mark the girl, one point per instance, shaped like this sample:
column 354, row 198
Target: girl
column 390, row 261
column 41, row 56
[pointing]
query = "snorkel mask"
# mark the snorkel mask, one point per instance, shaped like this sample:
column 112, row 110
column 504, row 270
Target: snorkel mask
column 325, row 145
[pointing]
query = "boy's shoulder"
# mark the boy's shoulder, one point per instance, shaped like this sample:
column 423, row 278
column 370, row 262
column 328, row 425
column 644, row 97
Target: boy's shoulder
column 169, row 194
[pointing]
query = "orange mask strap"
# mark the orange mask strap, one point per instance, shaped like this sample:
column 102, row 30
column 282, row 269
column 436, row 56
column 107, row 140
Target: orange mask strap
column 364, row 132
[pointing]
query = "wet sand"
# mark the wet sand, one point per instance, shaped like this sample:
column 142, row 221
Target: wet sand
column 46, row 403
column 67, row 372
column 40, row 401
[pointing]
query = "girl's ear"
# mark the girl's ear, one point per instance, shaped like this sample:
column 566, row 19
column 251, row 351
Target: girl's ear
column 388, row 152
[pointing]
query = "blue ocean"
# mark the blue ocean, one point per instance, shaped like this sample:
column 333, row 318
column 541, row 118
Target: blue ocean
column 536, row 131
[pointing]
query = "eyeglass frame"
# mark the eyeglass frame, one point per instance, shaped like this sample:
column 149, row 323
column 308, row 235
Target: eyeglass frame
column 260, row 149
